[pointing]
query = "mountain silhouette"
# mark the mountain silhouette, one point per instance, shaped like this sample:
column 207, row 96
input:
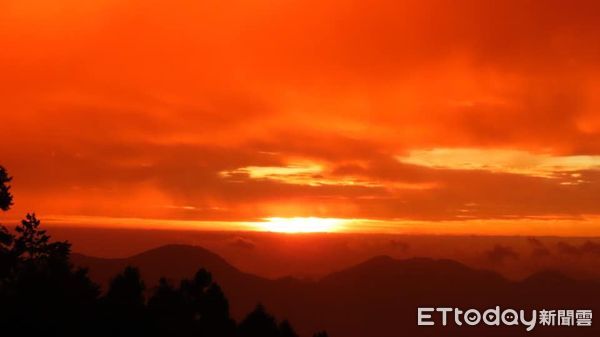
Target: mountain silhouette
column 376, row 298
column 176, row 262
column 172, row 261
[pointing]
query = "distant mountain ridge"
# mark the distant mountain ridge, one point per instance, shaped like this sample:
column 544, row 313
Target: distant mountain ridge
column 376, row 298
column 171, row 261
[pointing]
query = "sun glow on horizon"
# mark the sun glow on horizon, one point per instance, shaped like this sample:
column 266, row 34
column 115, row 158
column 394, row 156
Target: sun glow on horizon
column 587, row 226
column 302, row 225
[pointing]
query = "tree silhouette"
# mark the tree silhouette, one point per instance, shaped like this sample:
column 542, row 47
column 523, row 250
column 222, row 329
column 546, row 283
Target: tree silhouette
column 7, row 260
column 214, row 317
column 258, row 323
column 6, row 198
column 123, row 306
column 206, row 305
column 33, row 242
column 127, row 289
column 42, row 294
column 197, row 308
column 167, row 309
column 6, row 238
column 286, row 329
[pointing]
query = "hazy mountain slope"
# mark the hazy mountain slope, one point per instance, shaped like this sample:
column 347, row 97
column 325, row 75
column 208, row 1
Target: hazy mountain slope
column 376, row 298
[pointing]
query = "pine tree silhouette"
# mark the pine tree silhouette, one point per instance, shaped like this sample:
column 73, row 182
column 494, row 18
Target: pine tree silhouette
column 258, row 323
column 167, row 310
column 6, row 198
column 207, row 306
column 6, row 238
column 123, row 306
column 34, row 243
column 42, row 294
column 286, row 329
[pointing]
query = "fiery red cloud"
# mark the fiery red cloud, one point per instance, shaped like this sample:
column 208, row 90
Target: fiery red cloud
column 238, row 111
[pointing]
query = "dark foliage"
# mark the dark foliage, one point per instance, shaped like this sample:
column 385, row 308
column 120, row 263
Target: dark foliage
column 6, row 198
column 258, row 323
column 5, row 237
column 286, row 329
column 42, row 294
column 32, row 243
column 123, row 309
column 197, row 308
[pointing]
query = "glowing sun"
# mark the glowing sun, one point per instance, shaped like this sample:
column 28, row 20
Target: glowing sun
column 301, row 225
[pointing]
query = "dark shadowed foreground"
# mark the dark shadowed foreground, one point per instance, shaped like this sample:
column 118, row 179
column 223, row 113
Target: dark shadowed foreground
column 377, row 298
column 43, row 294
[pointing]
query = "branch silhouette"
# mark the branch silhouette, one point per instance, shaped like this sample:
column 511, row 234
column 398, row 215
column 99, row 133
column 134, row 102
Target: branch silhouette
column 43, row 294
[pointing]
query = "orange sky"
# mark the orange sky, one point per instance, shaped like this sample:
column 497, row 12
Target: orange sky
column 474, row 116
